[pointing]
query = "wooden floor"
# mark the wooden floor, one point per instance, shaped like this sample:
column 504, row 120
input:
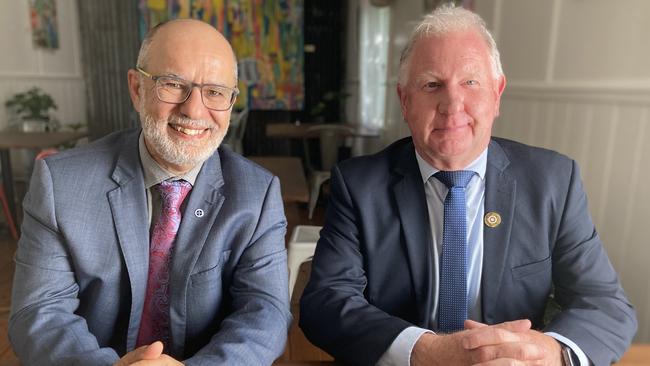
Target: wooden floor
column 7, row 248
column 298, row 348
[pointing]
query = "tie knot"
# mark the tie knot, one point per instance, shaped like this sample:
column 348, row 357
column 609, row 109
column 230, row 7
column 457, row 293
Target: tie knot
column 173, row 193
column 455, row 178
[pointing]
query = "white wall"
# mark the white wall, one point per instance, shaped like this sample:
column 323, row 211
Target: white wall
column 58, row 72
column 404, row 15
column 578, row 82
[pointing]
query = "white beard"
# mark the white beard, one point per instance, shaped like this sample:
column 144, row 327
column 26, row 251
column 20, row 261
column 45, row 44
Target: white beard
column 179, row 153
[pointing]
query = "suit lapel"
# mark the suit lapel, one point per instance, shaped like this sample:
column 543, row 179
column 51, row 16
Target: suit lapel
column 414, row 218
column 500, row 189
column 206, row 196
column 129, row 209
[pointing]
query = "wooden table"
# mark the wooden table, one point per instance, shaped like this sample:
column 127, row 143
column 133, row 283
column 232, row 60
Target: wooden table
column 637, row 355
column 298, row 131
column 331, row 137
column 30, row 140
column 291, row 174
column 306, row 363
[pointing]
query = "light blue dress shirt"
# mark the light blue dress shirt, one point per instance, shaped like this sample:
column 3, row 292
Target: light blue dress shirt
column 399, row 353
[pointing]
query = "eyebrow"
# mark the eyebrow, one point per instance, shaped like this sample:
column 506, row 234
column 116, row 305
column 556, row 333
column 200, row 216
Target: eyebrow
column 171, row 74
column 469, row 69
column 425, row 76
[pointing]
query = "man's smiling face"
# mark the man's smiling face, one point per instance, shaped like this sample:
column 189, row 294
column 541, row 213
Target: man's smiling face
column 180, row 136
column 450, row 98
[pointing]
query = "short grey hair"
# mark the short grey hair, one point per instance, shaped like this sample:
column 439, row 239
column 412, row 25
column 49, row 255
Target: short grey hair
column 445, row 19
column 145, row 47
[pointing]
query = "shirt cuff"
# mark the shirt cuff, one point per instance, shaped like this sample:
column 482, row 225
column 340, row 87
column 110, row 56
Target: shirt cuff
column 582, row 358
column 399, row 352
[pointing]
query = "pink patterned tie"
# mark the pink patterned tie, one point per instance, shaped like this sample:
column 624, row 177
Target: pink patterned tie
column 154, row 324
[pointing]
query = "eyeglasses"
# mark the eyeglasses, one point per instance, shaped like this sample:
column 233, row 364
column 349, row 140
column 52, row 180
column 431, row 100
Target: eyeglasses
column 170, row 89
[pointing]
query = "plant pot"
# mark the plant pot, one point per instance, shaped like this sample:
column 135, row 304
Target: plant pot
column 34, row 125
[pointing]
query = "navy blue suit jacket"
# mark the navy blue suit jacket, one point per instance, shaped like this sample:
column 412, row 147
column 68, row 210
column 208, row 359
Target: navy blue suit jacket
column 372, row 274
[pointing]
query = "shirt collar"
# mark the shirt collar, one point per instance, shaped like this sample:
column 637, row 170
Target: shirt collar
column 479, row 165
column 154, row 173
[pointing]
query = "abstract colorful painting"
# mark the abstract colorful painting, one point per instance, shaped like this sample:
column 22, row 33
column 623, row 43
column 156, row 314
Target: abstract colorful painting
column 267, row 38
column 42, row 16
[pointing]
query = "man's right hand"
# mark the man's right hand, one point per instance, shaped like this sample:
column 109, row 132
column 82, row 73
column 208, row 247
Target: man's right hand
column 150, row 355
column 433, row 349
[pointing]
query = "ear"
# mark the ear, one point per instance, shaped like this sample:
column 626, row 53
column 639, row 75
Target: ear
column 232, row 107
column 500, row 87
column 401, row 94
column 134, row 89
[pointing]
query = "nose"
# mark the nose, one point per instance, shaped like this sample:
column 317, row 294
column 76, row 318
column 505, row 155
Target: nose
column 193, row 107
column 452, row 100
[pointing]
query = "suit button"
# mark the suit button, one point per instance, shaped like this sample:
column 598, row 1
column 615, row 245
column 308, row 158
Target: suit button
column 199, row 213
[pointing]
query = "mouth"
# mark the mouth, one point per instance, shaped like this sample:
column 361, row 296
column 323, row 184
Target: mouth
column 451, row 128
column 188, row 130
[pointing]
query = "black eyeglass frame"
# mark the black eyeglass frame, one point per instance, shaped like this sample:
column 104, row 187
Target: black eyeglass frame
column 155, row 78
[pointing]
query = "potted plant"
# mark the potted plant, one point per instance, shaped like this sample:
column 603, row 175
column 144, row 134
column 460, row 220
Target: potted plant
column 32, row 107
column 330, row 102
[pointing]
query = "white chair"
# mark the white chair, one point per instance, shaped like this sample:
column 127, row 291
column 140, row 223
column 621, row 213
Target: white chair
column 302, row 246
column 235, row 136
column 330, row 137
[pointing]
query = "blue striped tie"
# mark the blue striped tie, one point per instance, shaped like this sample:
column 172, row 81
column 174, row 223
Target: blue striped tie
column 452, row 298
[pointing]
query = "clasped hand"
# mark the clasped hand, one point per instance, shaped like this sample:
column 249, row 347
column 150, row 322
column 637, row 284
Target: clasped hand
column 150, row 355
column 510, row 343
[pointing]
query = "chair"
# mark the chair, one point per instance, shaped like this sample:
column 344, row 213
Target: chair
column 45, row 153
column 331, row 137
column 5, row 209
column 235, row 136
column 13, row 230
column 301, row 248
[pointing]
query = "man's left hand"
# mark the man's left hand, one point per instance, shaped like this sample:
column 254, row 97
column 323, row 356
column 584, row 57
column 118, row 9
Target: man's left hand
column 150, row 355
column 495, row 349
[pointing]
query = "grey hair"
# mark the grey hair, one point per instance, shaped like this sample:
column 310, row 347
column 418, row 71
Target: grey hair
column 445, row 19
column 145, row 47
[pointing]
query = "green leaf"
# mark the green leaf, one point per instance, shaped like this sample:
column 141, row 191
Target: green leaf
column 33, row 103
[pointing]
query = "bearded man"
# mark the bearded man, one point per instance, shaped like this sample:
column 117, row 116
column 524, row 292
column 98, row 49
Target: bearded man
column 155, row 246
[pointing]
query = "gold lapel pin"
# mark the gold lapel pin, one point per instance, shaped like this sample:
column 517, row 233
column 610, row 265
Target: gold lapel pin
column 492, row 219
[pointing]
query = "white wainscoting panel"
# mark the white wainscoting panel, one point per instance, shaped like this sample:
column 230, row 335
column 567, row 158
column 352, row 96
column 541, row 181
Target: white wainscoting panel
column 607, row 131
column 68, row 92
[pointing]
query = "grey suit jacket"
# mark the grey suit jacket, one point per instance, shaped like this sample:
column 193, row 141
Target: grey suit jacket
column 372, row 273
column 81, row 264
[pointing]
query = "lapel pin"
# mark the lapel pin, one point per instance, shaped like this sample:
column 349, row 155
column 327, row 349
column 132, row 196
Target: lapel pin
column 198, row 212
column 492, row 219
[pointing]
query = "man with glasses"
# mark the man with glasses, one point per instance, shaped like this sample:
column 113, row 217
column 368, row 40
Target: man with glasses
column 154, row 246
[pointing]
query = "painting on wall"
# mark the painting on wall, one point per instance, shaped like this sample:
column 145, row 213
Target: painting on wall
column 45, row 32
column 266, row 36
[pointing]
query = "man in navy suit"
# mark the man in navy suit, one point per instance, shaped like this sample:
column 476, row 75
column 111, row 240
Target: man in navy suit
column 376, row 287
column 89, row 288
